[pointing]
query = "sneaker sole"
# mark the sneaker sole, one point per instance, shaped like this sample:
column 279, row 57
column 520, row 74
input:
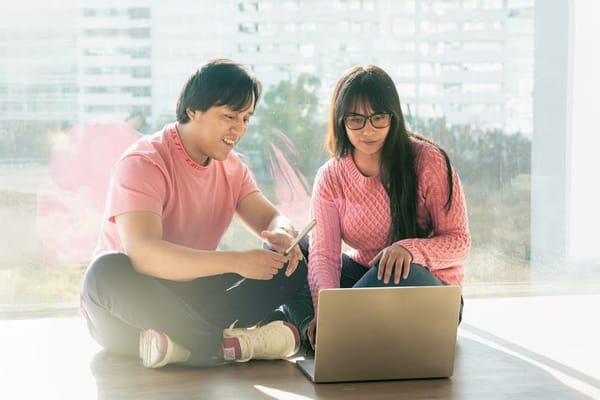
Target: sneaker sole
column 146, row 348
column 296, row 338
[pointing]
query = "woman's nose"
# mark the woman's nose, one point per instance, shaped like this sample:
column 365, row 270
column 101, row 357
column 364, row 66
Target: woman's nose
column 367, row 129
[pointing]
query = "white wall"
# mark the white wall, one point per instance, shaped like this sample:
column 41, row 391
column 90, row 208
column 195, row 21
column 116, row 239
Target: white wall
column 584, row 198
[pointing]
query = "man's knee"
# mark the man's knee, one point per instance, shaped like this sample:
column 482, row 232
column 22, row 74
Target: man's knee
column 103, row 272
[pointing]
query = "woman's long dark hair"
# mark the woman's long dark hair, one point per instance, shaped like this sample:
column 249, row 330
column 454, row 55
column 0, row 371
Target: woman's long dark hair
column 372, row 86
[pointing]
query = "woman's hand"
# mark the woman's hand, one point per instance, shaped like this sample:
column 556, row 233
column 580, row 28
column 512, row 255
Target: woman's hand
column 394, row 258
column 279, row 240
column 311, row 333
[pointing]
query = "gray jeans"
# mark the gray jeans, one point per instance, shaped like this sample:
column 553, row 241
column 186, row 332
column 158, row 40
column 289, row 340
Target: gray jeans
column 119, row 302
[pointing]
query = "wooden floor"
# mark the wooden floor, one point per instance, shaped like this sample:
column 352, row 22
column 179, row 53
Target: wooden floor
column 508, row 348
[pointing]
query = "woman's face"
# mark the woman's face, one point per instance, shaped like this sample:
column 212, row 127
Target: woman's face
column 367, row 140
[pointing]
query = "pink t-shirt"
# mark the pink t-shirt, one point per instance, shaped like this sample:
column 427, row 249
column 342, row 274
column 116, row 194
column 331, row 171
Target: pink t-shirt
column 355, row 209
column 196, row 203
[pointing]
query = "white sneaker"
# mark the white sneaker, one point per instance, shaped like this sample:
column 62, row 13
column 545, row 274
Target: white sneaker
column 275, row 340
column 157, row 350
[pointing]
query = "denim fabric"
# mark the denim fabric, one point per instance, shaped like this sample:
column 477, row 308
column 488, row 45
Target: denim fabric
column 356, row 275
column 299, row 310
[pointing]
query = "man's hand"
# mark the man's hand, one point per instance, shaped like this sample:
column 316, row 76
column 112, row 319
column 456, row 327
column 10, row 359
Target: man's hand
column 259, row 264
column 279, row 240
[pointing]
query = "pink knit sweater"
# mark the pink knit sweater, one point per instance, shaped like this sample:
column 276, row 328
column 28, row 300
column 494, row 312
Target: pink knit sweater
column 352, row 208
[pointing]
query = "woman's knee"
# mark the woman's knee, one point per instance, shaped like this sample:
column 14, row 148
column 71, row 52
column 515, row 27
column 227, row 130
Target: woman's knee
column 421, row 276
column 417, row 276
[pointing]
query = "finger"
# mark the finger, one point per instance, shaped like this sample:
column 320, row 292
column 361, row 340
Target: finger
column 296, row 257
column 292, row 265
column 398, row 272
column 266, row 235
column 298, row 252
column 277, row 258
column 406, row 269
column 294, row 253
column 389, row 268
column 311, row 336
column 375, row 259
column 264, row 275
column 271, row 267
column 385, row 268
column 381, row 268
column 277, row 241
column 271, row 272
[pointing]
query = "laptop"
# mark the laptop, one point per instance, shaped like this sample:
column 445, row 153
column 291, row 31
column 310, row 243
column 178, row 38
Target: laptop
column 388, row 333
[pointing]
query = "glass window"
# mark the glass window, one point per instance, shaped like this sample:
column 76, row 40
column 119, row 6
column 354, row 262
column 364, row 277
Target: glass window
column 248, row 27
column 403, row 27
column 248, row 6
column 478, row 86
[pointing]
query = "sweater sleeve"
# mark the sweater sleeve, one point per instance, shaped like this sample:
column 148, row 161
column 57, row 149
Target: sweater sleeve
column 449, row 241
column 324, row 265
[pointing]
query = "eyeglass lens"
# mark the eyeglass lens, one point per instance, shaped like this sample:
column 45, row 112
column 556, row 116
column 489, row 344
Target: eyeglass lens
column 381, row 120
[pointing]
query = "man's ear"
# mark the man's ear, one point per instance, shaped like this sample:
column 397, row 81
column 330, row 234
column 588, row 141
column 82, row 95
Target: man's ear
column 190, row 113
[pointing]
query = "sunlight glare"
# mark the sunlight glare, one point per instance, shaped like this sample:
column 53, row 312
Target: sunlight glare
column 281, row 394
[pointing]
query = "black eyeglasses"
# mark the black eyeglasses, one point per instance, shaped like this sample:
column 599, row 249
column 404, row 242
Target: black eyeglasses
column 377, row 120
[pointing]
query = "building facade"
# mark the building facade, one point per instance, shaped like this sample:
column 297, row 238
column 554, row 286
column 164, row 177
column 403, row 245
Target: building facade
column 470, row 61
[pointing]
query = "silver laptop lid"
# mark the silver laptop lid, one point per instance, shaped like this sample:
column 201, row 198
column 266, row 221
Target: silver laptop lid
column 386, row 333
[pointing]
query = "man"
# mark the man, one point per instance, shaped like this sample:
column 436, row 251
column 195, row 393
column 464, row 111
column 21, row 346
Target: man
column 157, row 286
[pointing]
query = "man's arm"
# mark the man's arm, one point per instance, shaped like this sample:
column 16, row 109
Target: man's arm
column 261, row 216
column 141, row 235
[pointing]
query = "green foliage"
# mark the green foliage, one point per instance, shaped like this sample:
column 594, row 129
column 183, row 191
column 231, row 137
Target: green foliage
column 27, row 140
column 489, row 159
column 160, row 123
column 494, row 168
column 41, row 284
column 287, row 117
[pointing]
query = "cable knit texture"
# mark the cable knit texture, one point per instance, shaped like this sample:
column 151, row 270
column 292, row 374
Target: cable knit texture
column 355, row 209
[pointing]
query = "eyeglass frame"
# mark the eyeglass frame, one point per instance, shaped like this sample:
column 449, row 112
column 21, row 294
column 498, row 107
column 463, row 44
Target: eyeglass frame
column 367, row 118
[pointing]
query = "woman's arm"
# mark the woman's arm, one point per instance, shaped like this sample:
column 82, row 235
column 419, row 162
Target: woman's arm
column 450, row 242
column 324, row 263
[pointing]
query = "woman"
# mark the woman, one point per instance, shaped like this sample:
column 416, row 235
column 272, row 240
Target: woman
column 390, row 195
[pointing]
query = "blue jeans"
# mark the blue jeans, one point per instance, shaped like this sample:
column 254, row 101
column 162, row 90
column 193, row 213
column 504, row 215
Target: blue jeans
column 299, row 310
column 357, row 275
column 119, row 302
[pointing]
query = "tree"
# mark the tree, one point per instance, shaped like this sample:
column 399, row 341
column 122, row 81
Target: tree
column 287, row 117
column 489, row 158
